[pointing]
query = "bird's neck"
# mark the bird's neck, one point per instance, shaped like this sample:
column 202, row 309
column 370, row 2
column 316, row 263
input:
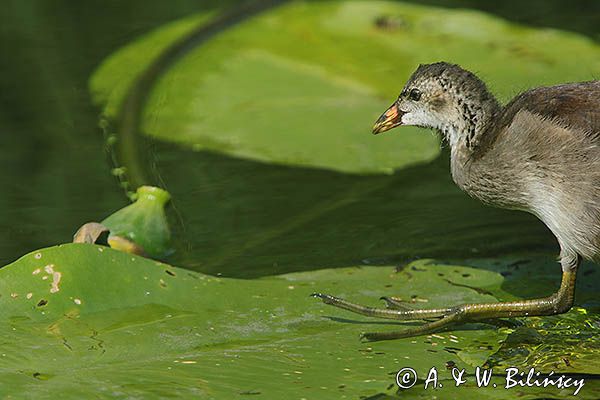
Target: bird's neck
column 467, row 131
column 469, row 135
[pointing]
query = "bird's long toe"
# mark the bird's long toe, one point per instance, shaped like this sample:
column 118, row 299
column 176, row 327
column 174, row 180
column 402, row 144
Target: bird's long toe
column 394, row 303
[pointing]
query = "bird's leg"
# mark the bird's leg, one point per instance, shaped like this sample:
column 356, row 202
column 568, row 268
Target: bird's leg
column 557, row 303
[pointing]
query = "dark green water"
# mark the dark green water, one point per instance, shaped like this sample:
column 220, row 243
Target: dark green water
column 230, row 216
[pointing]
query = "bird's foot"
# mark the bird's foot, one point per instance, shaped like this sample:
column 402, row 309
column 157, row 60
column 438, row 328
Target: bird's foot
column 557, row 303
column 399, row 311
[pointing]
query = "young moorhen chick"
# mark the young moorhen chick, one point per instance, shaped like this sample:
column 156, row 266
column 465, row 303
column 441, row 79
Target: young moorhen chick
column 540, row 153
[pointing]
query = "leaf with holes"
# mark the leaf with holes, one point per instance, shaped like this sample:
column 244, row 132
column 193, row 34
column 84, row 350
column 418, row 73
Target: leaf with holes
column 82, row 319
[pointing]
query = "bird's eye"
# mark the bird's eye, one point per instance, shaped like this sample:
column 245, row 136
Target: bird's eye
column 414, row 94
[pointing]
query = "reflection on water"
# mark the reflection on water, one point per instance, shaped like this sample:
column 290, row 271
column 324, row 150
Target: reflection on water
column 234, row 217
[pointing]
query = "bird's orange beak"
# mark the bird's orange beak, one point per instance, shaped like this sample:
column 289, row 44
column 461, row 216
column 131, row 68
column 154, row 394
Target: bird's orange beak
column 391, row 118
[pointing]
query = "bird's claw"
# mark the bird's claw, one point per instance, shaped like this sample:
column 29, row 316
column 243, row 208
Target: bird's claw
column 327, row 299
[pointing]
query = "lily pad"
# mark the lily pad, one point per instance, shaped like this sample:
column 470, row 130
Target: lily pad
column 301, row 84
column 110, row 92
column 81, row 319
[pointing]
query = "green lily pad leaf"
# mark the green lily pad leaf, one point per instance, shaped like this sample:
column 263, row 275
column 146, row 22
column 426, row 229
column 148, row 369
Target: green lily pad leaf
column 110, row 92
column 81, row 319
column 303, row 83
column 142, row 227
